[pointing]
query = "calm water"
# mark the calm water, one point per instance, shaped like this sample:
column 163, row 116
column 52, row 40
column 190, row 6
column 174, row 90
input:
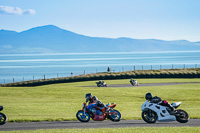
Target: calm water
column 28, row 66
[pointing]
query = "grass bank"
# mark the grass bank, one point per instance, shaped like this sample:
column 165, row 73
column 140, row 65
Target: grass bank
column 62, row 101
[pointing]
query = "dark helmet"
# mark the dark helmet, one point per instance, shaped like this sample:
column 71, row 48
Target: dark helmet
column 88, row 97
column 148, row 96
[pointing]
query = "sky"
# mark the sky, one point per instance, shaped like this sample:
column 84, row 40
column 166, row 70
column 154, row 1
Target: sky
column 138, row 19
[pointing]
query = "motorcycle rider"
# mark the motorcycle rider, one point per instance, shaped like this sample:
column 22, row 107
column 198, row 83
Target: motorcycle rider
column 158, row 100
column 94, row 99
column 133, row 81
column 100, row 82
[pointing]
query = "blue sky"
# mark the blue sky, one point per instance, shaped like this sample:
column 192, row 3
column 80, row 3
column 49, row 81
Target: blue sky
column 139, row 19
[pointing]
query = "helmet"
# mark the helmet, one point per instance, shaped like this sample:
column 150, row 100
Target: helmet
column 148, row 96
column 88, row 97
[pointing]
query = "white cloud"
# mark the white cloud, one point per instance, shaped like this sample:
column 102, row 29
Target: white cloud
column 15, row 11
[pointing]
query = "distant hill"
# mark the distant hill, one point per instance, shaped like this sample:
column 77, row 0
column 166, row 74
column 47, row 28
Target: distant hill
column 52, row 39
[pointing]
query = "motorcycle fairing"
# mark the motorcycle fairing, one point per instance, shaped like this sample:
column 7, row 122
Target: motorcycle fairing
column 112, row 105
column 161, row 111
column 99, row 118
column 92, row 105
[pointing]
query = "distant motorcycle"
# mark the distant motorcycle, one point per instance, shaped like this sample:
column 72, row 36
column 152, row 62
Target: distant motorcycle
column 98, row 114
column 152, row 112
column 101, row 84
column 134, row 83
column 3, row 117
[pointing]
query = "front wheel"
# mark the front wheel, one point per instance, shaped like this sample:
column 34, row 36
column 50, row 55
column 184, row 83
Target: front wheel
column 82, row 117
column 115, row 115
column 149, row 116
column 182, row 116
column 3, row 118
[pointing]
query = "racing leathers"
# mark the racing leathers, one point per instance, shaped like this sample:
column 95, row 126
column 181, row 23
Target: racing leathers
column 95, row 102
column 158, row 100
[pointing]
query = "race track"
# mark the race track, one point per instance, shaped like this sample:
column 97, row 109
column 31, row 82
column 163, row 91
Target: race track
column 142, row 85
column 93, row 124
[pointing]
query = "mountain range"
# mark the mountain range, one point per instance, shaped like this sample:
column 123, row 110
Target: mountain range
column 52, row 39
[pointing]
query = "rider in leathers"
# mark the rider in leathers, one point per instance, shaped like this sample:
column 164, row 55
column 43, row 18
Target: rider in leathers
column 94, row 99
column 158, row 100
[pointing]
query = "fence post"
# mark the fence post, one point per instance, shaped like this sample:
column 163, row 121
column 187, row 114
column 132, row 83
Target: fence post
column 23, row 78
column 33, row 77
column 184, row 66
column 84, row 72
column 44, row 76
column 151, row 67
column 142, row 67
column 172, row 66
column 13, row 80
column 134, row 68
column 160, row 67
column 4, row 81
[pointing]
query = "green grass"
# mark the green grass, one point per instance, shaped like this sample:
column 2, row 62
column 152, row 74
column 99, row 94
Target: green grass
column 62, row 101
column 117, row 130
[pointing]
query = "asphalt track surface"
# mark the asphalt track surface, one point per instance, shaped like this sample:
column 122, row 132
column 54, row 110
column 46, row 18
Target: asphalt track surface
column 93, row 124
column 99, row 124
column 150, row 84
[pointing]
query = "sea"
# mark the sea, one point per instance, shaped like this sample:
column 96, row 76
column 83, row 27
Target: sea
column 23, row 67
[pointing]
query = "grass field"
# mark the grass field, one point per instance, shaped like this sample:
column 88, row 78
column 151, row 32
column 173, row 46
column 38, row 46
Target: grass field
column 62, row 101
column 118, row 130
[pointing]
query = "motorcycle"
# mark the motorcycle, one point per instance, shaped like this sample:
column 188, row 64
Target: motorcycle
column 101, row 84
column 3, row 117
column 98, row 113
column 152, row 112
column 134, row 83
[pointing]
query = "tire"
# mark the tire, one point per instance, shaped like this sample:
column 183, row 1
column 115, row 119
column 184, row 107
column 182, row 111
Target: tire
column 3, row 118
column 81, row 117
column 180, row 118
column 115, row 117
column 149, row 119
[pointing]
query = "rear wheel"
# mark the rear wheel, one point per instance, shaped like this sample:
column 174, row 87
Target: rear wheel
column 3, row 119
column 115, row 115
column 182, row 116
column 149, row 116
column 82, row 117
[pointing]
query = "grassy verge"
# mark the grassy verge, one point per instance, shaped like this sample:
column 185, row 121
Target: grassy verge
column 62, row 101
column 117, row 130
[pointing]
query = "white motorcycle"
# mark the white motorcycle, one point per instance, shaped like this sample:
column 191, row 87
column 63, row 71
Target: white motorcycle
column 134, row 83
column 152, row 112
column 101, row 84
